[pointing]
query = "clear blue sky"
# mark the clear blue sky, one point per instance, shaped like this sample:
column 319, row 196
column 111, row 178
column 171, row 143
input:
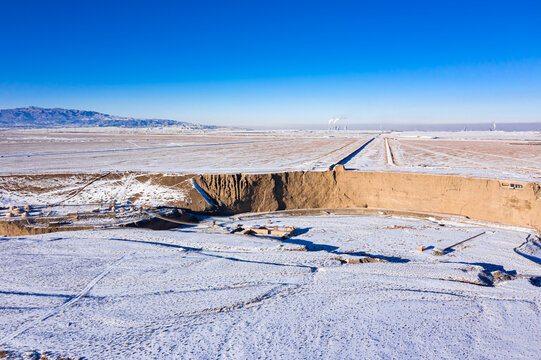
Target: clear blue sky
column 276, row 62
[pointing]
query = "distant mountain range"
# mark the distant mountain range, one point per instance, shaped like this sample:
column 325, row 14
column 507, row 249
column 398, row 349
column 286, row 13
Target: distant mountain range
column 36, row 117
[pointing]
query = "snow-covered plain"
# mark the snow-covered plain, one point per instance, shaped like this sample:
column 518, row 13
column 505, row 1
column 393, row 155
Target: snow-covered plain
column 199, row 293
column 41, row 151
column 482, row 157
column 196, row 292
column 496, row 154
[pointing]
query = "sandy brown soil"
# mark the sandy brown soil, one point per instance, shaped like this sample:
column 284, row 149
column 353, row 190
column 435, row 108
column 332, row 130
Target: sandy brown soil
column 50, row 167
column 476, row 198
column 481, row 199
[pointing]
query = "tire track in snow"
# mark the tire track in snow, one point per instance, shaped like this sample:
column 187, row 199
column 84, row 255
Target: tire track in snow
column 141, row 148
column 208, row 253
column 469, row 152
column 124, row 189
column 280, row 290
column 463, row 160
column 64, row 306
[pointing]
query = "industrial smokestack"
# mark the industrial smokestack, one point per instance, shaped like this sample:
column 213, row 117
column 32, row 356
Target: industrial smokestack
column 331, row 124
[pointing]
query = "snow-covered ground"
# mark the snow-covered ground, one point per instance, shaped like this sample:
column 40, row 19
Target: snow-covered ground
column 485, row 156
column 496, row 154
column 344, row 286
column 199, row 293
column 40, row 151
column 107, row 190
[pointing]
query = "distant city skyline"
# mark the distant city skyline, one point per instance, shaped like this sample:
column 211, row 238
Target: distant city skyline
column 276, row 63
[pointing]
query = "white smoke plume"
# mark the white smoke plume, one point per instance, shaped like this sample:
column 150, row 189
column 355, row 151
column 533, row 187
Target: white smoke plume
column 333, row 123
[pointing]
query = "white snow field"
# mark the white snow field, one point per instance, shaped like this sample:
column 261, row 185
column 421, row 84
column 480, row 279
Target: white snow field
column 344, row 286
column 496, row 154
column 199, row 293
column 41, row 151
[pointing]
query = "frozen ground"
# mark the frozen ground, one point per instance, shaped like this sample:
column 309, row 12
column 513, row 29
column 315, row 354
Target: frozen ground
column 506, row 155
column 488, row 157
column 200, row 293
column 107, row 190
column 41, row 151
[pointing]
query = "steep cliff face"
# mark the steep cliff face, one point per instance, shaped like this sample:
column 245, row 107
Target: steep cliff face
column 244, row 193
column 482, row 199
column 270, row 192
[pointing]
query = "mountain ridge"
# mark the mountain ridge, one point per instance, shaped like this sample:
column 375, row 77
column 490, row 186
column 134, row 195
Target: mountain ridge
column 38, row 117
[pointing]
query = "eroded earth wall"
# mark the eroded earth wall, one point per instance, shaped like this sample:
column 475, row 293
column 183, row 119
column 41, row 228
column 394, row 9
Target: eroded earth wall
column 482, row 199
column 516, row 203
